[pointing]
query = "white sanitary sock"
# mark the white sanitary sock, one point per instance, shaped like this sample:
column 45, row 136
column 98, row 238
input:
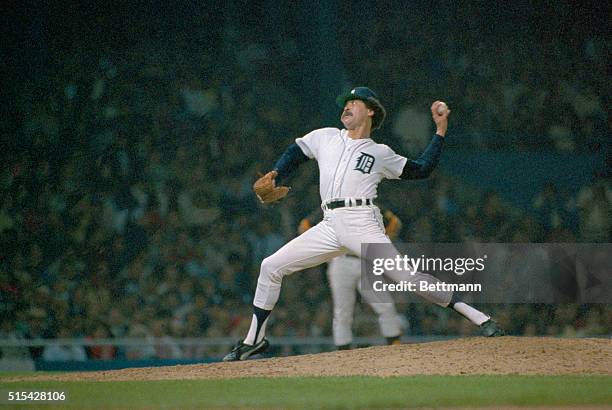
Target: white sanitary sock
column 253, row 337
column 474, row 315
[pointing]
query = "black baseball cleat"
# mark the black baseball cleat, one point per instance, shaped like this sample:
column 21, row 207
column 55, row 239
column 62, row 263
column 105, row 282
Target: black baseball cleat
column 243, row 351
column 490, row 328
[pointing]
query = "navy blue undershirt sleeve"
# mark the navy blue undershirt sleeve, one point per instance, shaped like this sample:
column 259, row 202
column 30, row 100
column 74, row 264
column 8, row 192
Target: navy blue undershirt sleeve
column 423, row 166
column 289, row 161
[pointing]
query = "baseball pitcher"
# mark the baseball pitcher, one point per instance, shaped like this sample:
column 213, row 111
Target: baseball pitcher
column 351, row 165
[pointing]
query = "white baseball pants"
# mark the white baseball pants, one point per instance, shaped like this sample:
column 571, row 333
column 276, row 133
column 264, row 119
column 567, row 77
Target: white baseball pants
column 342, row 230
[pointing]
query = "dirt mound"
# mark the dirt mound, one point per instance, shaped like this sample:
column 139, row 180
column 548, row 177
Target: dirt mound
column 504, row 355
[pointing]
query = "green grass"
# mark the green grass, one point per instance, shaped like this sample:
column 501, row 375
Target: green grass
column 332, row 392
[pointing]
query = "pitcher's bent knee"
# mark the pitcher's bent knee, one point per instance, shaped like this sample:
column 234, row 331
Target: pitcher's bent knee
column 271, row 270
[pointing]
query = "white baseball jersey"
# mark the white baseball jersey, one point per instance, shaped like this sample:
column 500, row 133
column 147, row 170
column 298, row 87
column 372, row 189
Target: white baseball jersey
column 350, row 167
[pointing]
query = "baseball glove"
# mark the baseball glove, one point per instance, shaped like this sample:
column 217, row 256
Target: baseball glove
column 266, row 190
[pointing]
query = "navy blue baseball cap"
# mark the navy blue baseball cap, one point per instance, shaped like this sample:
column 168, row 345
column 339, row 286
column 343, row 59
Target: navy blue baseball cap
column 357, row 93
column 368, row 96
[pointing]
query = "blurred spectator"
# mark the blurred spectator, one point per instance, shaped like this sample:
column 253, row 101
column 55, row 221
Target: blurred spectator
column 64, row 352
column 147, row 350
column 101, row 352
column 494, row 218
column 594, row 204
column 8, row 332
column 549, row 208
column 165, row 346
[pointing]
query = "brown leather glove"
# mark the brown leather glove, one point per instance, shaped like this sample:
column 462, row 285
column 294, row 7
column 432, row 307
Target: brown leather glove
column 266, row 190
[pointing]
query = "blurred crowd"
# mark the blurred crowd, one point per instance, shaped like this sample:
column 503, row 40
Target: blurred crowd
column 127, row 209
column 525, row 75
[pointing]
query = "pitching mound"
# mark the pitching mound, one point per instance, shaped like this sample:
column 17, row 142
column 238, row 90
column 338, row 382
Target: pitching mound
column 471, row 356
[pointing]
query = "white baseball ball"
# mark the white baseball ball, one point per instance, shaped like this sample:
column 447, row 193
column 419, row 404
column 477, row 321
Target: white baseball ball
column 442, row 108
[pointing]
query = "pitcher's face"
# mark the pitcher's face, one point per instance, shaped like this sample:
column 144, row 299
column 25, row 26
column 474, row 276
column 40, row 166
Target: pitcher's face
column 355, row 113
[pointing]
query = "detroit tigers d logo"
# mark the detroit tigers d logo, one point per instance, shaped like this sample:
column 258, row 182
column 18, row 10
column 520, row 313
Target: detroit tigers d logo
column 364, row 163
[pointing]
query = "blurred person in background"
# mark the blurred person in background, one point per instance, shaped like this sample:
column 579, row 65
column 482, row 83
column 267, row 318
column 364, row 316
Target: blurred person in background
column 165, row 346
column 69, row 352
column 101, row 352
column 8, row 332
column 549, row 208
column 145, row 349
column 594, row 204
column 494, row 218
